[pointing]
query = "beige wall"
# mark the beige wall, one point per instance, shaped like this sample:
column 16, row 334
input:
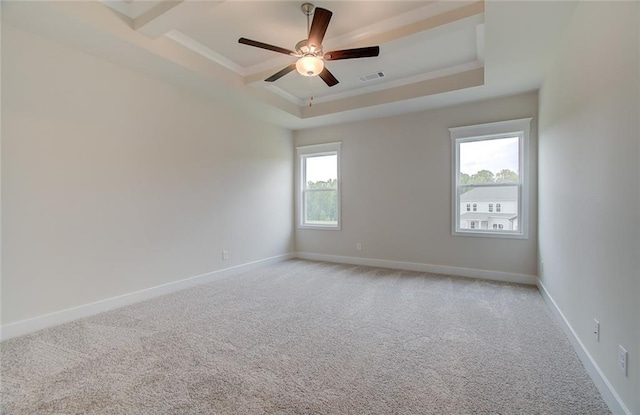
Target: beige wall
column 590, row 188
column 396, row 190
column 114, row 182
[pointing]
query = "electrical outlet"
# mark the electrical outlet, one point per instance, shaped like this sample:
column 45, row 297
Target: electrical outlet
column 596, row 329
column 225, row 255
column 359, row 246
column 622, row 359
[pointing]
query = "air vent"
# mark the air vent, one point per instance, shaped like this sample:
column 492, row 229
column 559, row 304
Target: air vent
column 372, row 77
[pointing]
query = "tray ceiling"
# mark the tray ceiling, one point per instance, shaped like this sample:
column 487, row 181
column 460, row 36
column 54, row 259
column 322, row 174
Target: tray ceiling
column 432, row 53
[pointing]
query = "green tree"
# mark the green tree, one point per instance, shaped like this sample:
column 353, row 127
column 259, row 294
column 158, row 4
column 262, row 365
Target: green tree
column 464, row 178
column 322, row 201
column 482, row 177
column 506, row 176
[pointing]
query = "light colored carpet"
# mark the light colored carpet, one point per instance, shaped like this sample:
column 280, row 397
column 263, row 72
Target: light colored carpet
column 306, row 337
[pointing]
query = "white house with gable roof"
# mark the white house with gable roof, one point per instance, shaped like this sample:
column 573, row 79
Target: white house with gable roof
column 491, row 208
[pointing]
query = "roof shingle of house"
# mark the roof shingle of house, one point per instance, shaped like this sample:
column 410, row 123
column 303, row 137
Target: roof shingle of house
column 490, row 194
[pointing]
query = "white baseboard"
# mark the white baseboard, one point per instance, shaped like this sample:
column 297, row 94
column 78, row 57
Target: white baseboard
column 609, row 395
column 420, row 267
column 31, row 325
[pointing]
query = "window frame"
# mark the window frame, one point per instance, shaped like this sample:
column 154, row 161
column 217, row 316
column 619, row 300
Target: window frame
column 316, row 150
column 480, row 132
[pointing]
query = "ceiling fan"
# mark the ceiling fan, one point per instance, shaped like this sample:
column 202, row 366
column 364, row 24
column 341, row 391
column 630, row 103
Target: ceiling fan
column 309, row 51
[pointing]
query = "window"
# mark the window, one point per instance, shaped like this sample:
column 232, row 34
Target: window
column 319, row 190
column 490, row 163
column 468, row 207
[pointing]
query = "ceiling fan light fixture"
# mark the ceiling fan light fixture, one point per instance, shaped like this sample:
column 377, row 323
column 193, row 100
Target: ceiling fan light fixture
column 309, row 65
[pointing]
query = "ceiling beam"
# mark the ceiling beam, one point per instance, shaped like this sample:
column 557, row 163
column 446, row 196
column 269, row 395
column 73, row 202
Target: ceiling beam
column 462, row 80
column 429, row 23
column 169, row 14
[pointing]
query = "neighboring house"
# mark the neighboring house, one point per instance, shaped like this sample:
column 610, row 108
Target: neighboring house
column 493, row 208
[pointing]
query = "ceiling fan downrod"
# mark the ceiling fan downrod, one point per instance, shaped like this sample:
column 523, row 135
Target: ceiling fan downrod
column 307, row 10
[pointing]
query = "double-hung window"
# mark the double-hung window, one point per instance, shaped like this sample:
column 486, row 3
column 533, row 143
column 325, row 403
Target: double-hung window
column 490, row 166
column 319, row 186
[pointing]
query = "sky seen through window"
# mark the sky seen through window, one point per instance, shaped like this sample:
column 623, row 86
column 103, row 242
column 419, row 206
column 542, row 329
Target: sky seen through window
column 322, row 168
column 493, row 155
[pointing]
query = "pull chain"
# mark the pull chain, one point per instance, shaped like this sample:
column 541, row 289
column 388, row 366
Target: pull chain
column 310, row 93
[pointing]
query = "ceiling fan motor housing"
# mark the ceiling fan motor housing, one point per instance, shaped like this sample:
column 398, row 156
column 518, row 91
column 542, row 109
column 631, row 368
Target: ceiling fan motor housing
column 303, row 49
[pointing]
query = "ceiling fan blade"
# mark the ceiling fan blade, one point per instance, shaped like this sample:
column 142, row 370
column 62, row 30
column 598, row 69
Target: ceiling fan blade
column 281, row 73
column 261, row 45
column 319, row 26
column 367, row 52
column 328, row 77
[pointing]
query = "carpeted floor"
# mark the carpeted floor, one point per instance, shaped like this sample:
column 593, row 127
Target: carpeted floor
column 306, row 337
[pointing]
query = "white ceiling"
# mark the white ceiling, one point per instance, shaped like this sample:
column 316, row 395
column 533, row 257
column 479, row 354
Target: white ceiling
column 433, row 53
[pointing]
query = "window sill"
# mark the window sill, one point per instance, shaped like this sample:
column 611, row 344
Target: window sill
column 490, row 234
column 320, row 227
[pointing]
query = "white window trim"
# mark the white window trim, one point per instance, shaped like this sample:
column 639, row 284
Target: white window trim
column 520, row 127
column 316, row 150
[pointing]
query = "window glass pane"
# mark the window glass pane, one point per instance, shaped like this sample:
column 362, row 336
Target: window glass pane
column 321, row 207
column 321, row 194
column 321, row 170
column 489, row 161
column 503, row 219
